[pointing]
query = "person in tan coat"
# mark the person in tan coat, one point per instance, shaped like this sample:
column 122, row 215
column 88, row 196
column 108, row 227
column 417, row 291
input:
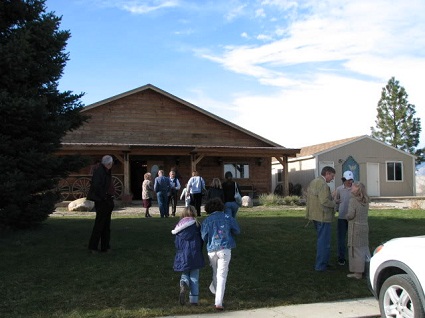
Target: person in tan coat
column 358, row 230
column 320, row 209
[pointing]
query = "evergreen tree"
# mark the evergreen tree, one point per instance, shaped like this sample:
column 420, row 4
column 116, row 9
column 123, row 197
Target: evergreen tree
column 396, row 123
column 34, row 115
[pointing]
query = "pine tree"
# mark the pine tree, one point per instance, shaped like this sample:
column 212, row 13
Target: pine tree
column 34, row 115
column 396, row 123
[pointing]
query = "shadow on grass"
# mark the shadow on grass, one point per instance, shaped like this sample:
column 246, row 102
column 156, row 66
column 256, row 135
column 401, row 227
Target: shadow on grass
column 48, row 272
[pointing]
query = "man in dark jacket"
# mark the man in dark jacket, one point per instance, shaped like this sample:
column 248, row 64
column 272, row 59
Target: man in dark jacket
column 101, row 192
column 162, row 186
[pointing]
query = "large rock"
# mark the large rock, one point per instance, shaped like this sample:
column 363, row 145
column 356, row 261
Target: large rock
column 81, row 204
column 247, row 201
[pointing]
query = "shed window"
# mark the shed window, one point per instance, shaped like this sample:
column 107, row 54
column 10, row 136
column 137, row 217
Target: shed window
column 238, row 170
column 394, row 171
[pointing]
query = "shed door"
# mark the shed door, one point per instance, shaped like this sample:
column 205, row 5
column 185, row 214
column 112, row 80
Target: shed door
column 372, row 174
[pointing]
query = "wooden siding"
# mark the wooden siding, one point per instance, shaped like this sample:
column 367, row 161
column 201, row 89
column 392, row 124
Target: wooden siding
column 148, row 117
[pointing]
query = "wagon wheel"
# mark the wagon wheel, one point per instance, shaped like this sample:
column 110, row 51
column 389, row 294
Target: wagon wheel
column 80, row 187
column 118, row 187
column 64, row 189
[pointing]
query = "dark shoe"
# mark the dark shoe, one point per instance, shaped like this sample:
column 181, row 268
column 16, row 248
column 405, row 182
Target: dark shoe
column 341, row 262
column 220, row 308
column 182, row 296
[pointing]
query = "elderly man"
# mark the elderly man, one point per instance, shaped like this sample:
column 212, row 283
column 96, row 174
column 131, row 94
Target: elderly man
column 102, row 193
column 320, row 209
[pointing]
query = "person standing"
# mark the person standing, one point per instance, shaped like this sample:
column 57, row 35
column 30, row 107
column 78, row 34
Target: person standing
column 217, row 231
column 215, row 190
column 172, row 195
column 195, row 186
column 342, row 198
column 358, row 230
column 229, row 190
column 186, row 196
column 189, row 258
column 162, row 187
column 102, row 193
column 147, row 193
column 320, row 209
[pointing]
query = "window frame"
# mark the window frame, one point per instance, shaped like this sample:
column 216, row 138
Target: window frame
column 234, row 170
column 395, row 172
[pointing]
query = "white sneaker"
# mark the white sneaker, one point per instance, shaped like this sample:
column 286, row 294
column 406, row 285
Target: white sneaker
column 212, row 288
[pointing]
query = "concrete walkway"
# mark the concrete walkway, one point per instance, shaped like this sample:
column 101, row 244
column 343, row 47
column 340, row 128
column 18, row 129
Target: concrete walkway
column 356, row 308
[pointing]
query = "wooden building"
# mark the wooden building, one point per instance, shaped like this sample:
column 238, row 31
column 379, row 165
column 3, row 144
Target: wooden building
column 147, row 129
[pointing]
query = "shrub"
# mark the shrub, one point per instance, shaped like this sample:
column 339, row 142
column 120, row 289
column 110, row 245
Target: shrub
column 292, row 200
column 270, row 199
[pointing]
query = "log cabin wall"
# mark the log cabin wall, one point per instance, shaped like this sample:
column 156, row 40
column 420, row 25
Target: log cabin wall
column 148, row 117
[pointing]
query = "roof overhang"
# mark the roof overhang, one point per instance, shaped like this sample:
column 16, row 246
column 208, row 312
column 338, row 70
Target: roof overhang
column 166, row 149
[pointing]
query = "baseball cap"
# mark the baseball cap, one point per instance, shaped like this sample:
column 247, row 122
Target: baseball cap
column 348, row 175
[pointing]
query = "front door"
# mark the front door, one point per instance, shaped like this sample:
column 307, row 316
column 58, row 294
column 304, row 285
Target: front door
column 372, row 175
column 138, row 168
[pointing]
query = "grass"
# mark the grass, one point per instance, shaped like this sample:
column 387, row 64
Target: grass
column 48, row 272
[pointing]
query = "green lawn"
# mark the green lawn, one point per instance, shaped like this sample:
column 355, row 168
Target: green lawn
column 48, row 272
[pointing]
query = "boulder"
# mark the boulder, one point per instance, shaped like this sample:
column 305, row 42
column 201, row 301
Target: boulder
column 247, row 201
column 81, row 204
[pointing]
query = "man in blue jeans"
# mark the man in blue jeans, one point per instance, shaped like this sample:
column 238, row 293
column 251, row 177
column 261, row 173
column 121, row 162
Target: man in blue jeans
column 162, row 187
column 320, row 209
column 342, row 198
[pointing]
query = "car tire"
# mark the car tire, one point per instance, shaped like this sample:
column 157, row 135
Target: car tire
column 399, row 298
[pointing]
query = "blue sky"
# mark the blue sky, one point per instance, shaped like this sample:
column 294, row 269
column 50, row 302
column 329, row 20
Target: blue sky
column 295, row 72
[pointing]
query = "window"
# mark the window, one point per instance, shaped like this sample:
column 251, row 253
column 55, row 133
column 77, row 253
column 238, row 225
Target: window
column 238, row 170
column 395, row 171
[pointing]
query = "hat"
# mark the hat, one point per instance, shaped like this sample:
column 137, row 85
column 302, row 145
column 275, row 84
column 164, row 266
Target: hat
column 348, row 175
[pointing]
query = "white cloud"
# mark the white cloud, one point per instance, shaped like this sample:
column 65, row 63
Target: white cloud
column 138, row 6
column 330, row 64
column 328, row 109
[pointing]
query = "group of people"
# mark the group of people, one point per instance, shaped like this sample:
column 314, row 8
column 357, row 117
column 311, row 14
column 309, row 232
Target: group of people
column 166, row 189
column 216, row 232
column 351, row 202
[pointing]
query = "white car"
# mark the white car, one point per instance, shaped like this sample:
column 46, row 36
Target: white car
column 397, row 277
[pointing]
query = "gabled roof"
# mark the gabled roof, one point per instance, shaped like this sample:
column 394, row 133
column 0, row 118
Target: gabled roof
column 181, row 101
column 315, row 149
column 318, row 149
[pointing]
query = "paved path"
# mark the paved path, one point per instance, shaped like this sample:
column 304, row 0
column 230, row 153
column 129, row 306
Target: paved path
column 356, row 308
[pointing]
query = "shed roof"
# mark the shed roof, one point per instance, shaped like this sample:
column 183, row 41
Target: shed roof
column 318, row 149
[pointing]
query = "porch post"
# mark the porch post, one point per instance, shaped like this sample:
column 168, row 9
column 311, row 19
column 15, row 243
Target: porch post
column 285, row 176
column 126, row 174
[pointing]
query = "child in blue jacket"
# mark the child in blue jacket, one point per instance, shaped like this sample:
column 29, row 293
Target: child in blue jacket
column 217, row 231
column 189, row 258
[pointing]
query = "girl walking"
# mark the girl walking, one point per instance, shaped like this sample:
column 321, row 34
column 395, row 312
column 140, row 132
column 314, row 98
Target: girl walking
column 189, row 258
column 217, row 231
